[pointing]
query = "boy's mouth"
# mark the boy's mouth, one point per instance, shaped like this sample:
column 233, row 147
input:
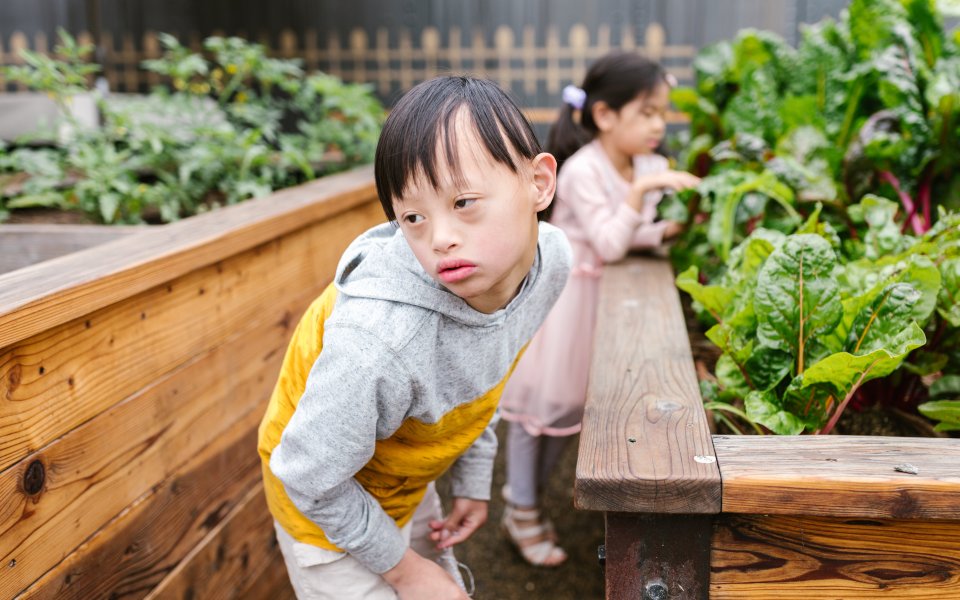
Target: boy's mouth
column 451, row 270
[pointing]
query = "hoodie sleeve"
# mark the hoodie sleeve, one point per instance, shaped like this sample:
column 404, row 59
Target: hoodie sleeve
column 471, row 476
column 355, row 385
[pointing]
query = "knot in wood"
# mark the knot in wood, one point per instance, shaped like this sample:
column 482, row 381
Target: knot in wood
column 668, row 406
column 34, row 478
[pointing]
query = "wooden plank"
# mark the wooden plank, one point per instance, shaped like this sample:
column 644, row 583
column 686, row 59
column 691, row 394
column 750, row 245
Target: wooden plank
column 24, row 245
column 272, row 583
column 645, row 445
column 61, row 378
column 840, row 476
column 40, row 297
column 138, row 549
column 799, row 558
column 97, row 470
column 657, row 556
column 230, row 558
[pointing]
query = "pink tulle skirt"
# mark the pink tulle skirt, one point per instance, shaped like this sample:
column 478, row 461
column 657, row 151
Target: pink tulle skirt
column 548, row 389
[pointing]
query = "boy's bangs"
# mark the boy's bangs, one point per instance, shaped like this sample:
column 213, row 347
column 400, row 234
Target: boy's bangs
column 419, row 139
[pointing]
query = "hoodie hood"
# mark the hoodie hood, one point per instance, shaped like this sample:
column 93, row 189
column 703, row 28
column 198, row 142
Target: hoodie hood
column 380, row 265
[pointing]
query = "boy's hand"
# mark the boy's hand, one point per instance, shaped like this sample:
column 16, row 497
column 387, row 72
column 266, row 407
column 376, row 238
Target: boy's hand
column 673, row 180
column 418, row 578
column 466, row 517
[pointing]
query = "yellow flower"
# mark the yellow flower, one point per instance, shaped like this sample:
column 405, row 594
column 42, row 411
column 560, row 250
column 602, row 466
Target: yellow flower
column 231, row 68
column 241, row 98
column 217, row 74
column 141, row 188
column 179, row 83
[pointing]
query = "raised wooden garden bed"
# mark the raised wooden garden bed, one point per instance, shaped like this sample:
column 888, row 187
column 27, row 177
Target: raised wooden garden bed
column 133, row 375
column 694, row 515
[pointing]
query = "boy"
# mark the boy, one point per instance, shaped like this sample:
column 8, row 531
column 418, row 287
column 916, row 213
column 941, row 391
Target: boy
column 419, row 331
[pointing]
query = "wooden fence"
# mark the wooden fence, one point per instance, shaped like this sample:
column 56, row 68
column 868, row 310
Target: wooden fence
column 395, row 60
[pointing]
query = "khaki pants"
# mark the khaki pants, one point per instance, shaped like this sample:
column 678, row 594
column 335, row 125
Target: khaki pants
column 321, row 574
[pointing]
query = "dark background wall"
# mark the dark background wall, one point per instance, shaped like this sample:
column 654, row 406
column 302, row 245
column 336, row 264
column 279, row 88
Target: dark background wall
column 533, row 47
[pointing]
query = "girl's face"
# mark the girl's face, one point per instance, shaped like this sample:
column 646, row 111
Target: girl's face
column 639, row 126
column 478, row 237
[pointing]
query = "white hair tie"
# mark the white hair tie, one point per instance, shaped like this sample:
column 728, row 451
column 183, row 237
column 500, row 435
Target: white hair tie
column 574, row 96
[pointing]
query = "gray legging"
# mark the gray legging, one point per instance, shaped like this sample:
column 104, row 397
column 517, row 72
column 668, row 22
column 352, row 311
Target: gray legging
column 530, row 460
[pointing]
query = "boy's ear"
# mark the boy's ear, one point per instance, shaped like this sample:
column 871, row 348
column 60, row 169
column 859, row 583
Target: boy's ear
column 544, row 179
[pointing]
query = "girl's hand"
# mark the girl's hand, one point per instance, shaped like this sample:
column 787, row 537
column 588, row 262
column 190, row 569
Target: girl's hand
column 465, row 517
column 418, row 578
column 673, row 180
column 672, row 229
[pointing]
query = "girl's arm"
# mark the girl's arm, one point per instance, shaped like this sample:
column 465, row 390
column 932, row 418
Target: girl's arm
column 610, row 231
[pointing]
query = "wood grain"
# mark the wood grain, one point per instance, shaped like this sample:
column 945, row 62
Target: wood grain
column 233, row 555
column 97, row 470
column 645, row 445
column 23, row 245
column 53, row 382
column 759, row 557
column 141, row 546
column 840, row 476
column 48, row 294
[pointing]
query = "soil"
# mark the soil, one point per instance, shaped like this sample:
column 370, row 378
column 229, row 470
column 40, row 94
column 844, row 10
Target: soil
column 43, row 216
column 498, row 569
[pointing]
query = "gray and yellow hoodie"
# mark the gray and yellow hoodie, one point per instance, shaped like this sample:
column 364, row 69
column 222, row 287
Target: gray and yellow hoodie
column 406, row 386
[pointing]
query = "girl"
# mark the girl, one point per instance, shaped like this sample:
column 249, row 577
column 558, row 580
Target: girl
column 609, row 184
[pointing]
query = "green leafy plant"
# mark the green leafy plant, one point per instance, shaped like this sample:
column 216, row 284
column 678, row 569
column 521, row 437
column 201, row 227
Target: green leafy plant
column 866, row 104
column 831, row 168
column 803, row 328
column 233, row 124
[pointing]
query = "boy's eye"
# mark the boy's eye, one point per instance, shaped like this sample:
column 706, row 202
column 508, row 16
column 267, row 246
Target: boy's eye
column 413, row 218
column 464, row 202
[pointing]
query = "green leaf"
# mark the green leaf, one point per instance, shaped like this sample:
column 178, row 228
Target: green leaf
column 948, row 306
column 729, row 192
column 109, row 203
column 880, row 320
column 716, row 299
column 924, row 363
column 766, row 409
column 947, row 411
column 45, row 199
column 946, row 385
column 844, row 372
column 797, row 298
column 883, row 237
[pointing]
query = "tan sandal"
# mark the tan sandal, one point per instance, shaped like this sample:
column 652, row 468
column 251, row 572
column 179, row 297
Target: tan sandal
column 533, row 536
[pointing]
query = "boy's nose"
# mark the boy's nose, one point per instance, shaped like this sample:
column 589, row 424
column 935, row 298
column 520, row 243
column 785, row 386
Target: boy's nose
column 445, row 237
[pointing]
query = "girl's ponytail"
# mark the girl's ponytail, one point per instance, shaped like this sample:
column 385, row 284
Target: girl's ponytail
column 566, row 136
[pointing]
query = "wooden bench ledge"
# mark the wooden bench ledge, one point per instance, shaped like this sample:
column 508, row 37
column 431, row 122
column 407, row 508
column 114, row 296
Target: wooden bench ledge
column 840, row 476
column 645, row 446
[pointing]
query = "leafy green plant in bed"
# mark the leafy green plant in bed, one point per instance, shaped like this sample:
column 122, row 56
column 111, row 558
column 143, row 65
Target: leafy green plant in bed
column 831, row 168
column 230, row 123
column 869, row 103
column 803, row 327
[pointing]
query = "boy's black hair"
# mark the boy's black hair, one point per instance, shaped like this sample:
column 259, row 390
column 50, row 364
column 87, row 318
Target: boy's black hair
column 424, row 118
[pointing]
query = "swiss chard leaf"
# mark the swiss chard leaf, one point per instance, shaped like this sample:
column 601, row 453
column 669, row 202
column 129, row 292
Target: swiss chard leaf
column 797, row 298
